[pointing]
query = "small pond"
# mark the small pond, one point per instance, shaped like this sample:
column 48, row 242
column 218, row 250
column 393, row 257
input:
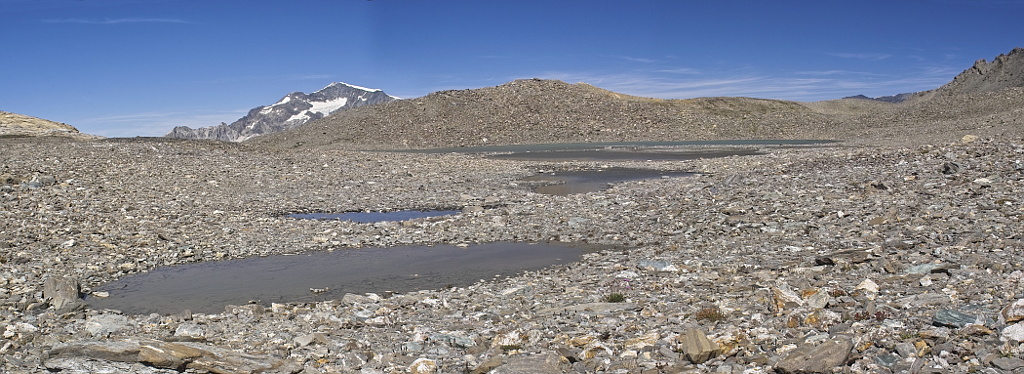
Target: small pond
column 696, row 145
column 371, row 217
column 624, row 154
column 583, row 181
column 208, row 287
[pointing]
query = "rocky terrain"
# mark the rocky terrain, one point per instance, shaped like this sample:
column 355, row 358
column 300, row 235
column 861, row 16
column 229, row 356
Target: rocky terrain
column 801, row 260
column 293, row 110
column 19, row 125
column 898, row 249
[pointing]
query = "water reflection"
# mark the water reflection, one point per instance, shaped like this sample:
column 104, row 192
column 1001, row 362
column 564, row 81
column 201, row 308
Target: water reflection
column 583, row 181
column 617, row 154
column 208, row 287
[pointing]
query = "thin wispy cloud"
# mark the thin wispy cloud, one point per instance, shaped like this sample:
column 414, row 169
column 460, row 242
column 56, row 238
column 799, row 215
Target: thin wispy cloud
column 798, row 86
column 862, row 56
column 679, row 71
column 833, row 72
column 637, row 59
column 115, row 21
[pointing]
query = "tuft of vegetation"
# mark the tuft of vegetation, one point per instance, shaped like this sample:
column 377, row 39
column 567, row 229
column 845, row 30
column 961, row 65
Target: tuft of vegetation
column 615, row 298
column 712, row 314
column 510, row 347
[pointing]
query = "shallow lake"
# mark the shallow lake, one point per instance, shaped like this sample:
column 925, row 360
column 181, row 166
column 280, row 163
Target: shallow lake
column 583, row 181
column 688, row 145
column 624, row 154
column 208, row 287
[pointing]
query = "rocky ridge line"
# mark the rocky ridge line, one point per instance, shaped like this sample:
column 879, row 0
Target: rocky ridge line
column 1006, row 70
column 984, row 100
column 293, row 110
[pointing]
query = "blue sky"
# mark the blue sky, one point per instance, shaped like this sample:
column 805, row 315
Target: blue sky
column 141, row 67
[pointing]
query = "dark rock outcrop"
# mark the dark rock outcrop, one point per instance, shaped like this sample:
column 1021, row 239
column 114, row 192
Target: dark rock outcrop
column 1006, row 70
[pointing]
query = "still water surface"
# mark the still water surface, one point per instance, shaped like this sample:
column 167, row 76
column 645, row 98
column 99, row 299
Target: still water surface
column 583, row 181
column 208, row 287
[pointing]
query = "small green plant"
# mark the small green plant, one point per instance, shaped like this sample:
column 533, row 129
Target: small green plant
column 712, row 314
column 615, row 297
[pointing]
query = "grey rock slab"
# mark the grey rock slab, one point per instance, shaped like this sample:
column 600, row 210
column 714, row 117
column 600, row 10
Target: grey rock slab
column 453, row 340
column 1013, row 332
column 819, row 358
column 307, row 339
column 926, row 269
column 487, row 365
column 595, row 308
column 696, row 346
column 922, row 300
column 190, row 331
column 657, row 265
column 906, row 350
column 178, row 356
column 1013, row 312
column 544, row 363
column 78, row 365
column 63, row 292
column 953, row 318
column 109, row 351
column 105, row 324
column 167, row 355
column 1008, row 363
column 226, row 361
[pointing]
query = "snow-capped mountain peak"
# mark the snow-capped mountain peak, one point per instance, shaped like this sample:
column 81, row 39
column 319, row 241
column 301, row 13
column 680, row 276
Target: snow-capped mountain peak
column 293, row 110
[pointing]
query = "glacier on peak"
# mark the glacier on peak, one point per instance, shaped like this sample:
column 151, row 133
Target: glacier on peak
column 293, row 110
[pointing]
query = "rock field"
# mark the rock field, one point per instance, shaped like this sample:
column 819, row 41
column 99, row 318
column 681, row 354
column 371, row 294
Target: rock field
column 847, row 258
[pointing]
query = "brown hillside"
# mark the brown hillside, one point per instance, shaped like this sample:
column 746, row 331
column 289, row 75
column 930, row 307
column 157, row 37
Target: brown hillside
column 546, row 111
column 986, row 99
column 13, row 125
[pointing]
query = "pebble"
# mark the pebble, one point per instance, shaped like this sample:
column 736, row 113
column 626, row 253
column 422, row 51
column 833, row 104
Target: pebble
column 859, row 259
column 952, row 318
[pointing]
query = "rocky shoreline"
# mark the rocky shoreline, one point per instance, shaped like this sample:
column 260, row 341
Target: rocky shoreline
column 846, row 258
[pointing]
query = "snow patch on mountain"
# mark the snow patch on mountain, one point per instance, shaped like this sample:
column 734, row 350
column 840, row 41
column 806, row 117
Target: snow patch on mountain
column 293, row 110
column 328, row 107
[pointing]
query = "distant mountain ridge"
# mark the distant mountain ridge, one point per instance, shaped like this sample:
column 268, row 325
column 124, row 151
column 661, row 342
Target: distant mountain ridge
column 1006, row 70
column 898, row 98
column 541, row 111
column 989, row 97
column 293, row 110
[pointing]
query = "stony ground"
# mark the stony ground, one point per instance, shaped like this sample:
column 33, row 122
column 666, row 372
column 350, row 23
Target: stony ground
column 847, row 259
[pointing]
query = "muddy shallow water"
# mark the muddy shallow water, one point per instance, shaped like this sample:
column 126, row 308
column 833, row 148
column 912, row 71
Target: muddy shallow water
column 583, row 181
column 650, row 145
column 209, row 287
column 623, row 154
